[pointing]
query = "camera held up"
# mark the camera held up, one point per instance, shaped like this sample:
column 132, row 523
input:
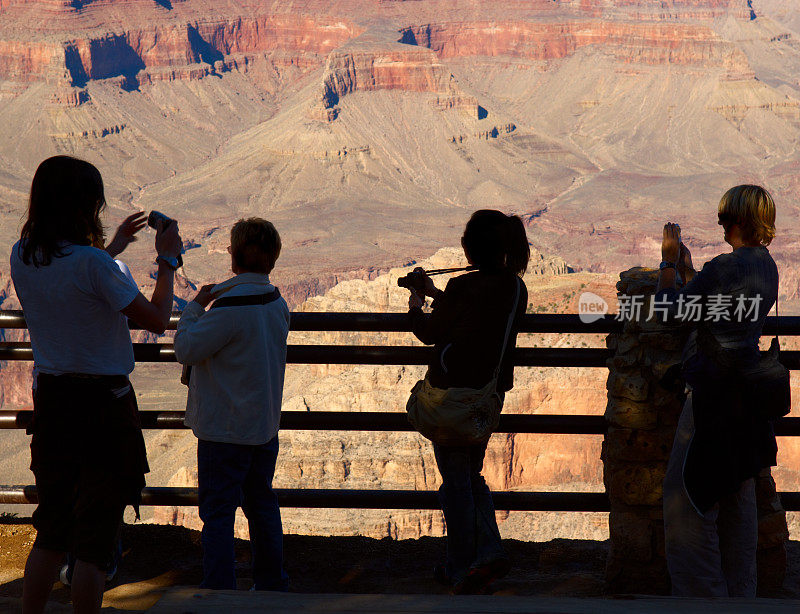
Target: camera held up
column 415, row 280
column 154, row 218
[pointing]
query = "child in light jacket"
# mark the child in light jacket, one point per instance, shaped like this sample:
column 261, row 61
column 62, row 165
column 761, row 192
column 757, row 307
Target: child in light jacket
column 237, row 354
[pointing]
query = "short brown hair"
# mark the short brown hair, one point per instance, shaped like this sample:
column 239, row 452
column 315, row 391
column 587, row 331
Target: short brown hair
column 255, row 245
column 752, row 208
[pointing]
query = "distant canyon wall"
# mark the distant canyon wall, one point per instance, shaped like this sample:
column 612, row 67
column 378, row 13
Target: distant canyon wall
column 116, row 54
column 645, row 43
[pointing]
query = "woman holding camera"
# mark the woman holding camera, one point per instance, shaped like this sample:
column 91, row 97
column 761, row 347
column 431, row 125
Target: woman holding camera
column 87, row 451
column 468, row 325
column 723, row 439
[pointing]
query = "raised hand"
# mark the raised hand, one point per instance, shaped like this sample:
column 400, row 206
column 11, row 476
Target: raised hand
column 685, row 266
column 168, row 241
column 670, row 243
column 205, row 296
column 126, row 233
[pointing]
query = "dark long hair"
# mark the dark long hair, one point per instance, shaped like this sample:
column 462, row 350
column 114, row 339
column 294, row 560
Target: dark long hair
column 495, row 240
column 67, row 197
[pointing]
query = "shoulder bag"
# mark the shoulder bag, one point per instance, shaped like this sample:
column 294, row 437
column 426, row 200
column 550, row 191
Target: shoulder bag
column 459, row 416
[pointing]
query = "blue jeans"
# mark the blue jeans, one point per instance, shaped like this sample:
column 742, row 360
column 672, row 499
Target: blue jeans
column 473, row 538
column 713, row 554
column 231, row 475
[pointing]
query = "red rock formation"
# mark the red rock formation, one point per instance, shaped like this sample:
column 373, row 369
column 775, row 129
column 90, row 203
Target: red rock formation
column 389, row 66
column 25, row 61
column 106, row 55
column 410, row 69
column 651, row 43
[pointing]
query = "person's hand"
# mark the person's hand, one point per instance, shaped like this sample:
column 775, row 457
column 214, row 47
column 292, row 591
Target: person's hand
column 126, row 233
column 415, row 300
column 429, row 287
column 204, row 296
column 168, row 241
column 684, row 261
column 670, row 244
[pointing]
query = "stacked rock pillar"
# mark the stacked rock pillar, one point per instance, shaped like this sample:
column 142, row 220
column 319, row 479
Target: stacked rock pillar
column 642, row 417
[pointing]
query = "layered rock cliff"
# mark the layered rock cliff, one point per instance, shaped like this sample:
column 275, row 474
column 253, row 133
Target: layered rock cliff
column 646, row 43
column 114, row 54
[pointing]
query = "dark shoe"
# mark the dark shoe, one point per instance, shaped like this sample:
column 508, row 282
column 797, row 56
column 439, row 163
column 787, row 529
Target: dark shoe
column 480, row 577
column 441, row 576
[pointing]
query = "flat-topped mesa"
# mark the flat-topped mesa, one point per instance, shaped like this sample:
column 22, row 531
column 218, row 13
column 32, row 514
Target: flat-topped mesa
column 157, row 47
column 645, row 43
column 390, row 66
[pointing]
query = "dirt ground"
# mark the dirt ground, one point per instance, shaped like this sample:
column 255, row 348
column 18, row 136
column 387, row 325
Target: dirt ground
column 158, row 557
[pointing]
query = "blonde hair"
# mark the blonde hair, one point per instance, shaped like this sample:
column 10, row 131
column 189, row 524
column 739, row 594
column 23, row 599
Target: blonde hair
column 752, row 208
column 255, row 245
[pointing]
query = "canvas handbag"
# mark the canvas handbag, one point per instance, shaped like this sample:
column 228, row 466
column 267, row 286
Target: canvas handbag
column 459, row 416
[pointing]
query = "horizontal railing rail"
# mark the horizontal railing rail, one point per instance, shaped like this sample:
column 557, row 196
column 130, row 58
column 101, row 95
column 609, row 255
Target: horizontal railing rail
column 381, row 499
column 391, row 322
column 399, row 322
column 361, row 499
column 359, row 421
column 360, row 354
column 545, row 424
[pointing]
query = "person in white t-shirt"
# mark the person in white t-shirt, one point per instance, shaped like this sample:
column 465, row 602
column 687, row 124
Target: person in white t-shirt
column 87, row 450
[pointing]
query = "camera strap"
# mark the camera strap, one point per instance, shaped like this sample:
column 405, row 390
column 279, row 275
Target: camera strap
column 508, row 328
column 234, row 301
column 251, row 299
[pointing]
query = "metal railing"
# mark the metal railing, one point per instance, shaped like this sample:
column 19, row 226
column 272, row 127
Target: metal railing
column 395, row 421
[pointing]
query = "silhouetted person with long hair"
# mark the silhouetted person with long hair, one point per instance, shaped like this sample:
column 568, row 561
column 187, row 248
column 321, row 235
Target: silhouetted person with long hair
column 467, row 325
column 722, row 441
column 87, row 451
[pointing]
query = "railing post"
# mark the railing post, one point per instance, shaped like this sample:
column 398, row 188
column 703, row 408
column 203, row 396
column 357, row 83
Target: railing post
column 642, row 417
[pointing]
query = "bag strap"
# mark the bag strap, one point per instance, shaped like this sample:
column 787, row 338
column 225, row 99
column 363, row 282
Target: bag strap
column 250, row 299
column 777, row 317
column 508, row 329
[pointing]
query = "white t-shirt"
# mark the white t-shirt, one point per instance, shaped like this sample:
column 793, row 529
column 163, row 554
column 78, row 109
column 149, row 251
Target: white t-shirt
column 72, row 307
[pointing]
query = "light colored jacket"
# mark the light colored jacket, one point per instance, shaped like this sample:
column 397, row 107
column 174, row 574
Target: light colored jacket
column 238, row 358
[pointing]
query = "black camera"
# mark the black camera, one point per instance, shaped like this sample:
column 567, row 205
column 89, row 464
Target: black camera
column 154, row 218
column 414, row 281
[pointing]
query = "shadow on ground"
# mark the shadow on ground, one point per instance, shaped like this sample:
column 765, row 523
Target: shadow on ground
column 158, row 557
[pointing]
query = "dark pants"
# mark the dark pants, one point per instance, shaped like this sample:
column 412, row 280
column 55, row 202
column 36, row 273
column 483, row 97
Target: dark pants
column 89, row 460
column 232, row 475
column 473, row 538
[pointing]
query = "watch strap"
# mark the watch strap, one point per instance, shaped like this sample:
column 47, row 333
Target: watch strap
column 171, row 262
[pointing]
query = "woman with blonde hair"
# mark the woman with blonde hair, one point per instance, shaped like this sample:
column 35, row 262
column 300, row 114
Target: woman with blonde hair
column 723, row 440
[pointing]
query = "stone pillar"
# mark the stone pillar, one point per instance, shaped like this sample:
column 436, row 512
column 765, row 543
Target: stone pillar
column 642, row 417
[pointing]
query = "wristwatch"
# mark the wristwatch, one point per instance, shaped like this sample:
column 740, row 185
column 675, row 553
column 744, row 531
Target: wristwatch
column 666, row 265
column 171, row 261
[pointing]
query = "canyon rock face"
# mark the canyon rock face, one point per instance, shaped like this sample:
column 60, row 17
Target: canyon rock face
column 648, row 43
column 377, row 115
